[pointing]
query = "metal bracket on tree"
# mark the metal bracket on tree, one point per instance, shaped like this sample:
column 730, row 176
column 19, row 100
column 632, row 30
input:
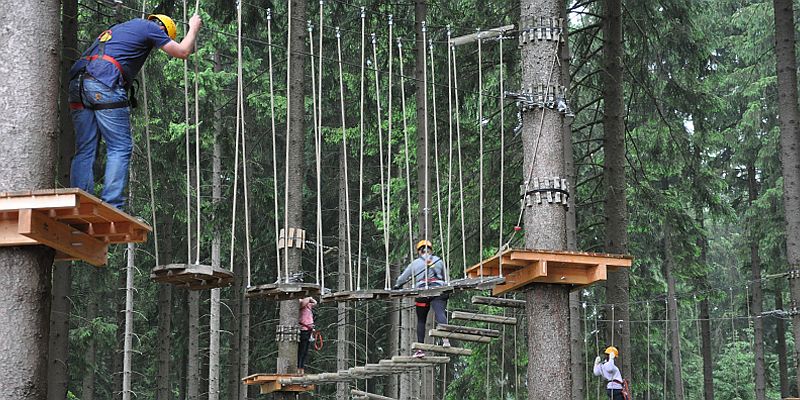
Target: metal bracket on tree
column 287, row 333
column 297, row 238
column 553, row 190
column 542, row 28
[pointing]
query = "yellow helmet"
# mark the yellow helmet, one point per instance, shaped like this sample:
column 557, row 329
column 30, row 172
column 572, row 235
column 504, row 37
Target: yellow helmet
column 424, row 243
column 612, row 349
column 172, row 29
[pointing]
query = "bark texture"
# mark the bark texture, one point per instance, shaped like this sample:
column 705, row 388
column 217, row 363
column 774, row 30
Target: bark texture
column 193, row 346
column 547, row 306
column 780, row 345
column 342, row 349
column 216, row 246
column 672, row 316
column 29, row 125
column 790, row 151
column 90, row 354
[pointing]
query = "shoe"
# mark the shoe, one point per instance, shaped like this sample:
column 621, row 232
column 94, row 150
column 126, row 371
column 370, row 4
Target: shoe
column 419, row 354
column 445, row 342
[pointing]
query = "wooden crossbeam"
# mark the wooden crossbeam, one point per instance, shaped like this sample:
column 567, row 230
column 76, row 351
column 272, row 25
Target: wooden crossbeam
column 459, row 336
column 494, row 319
column 487, row 34
column 61, row 237
column 9, row 235
column 498, row 302
column 410, row 359
column 468, row 330
column 522, row 277
column 53, row 200
column 456, row 351
column 370, row 396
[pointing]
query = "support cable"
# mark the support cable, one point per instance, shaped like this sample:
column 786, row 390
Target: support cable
column 315, row 109
column 407, row 154
column 244, row 159
column 361, row 152
column 344, row 150
column 502, row 154
column 426, row 180
column 436, row 153
column 239, row 82
column 460, row 167
column 449, row 147
column 320, row 256
column 288, row 141
column 188, row 154
column 384, row 208
column 274, row 142
column 388, row 215
column 197, row 136
column 480, row 152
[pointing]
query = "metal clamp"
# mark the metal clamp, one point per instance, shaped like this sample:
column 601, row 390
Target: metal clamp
column 793, row 274
column 541, row 96
column 543, row 29
column 287, row 333
column 539, row 191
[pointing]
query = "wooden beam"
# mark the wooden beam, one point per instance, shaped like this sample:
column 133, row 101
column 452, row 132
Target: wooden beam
column 61, row 237
column 459, row 336
column 468, row 330
column 574, row 275
column 411, row 360
column 371, row 396
column 523, row 277
column 9, row 234
column 39, row 201
column 498, row 302
column 572, row 258
column 487, row 34
column 456, row 351
column 494, row 319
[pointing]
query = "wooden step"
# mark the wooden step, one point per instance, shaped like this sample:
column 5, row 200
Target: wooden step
column 426, row 359
column 459, row 336
column 370, row 396
column 469, row 330
column 492, row 319
column 498, row 302
column 457, row 351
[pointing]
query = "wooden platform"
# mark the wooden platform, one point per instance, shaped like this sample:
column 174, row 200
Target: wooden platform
column 384, row 294
column 77, row 225
column 283, row 291
column 192, row 276
column 270, row 383
column 524, row 267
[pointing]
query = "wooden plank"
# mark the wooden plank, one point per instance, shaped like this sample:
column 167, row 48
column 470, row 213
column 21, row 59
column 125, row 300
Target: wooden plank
column 574, row 275
column 493, row 319
column 9, row 234
column 573, row 258
column 468, row 330
column 428, row 359
column 85, row 212
column 498, row 302
column 459, row 336
column 44, row 201
column 457, row 351
column 523, row 277
column 61, row 237
column 371, row 396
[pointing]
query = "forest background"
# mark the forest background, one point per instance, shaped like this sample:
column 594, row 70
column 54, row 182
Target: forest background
column 704, row 194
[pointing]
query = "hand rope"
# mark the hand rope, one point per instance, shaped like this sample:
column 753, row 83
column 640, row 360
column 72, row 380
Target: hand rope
column 436, row 151
column 288, row 141
column 407, row 155
column 244, row 153
column 188, row 155
column 384, row 208
column 502, row 154
column 315, row 109
column 274, row 142
column 460, row 168
column 450, row 144
column 320, row 257
column 387, row 215
column 197, row 137
column 239, row 83
column 344, row 152
column 149, row 155
column 480, row 152
column 361, row 151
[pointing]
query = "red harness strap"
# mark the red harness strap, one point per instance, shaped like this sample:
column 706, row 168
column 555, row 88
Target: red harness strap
column 112, row 60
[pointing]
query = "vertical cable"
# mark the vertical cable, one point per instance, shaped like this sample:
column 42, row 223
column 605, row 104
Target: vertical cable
column 361, row 151
column 196, row 61
column 149, row 155
column 314, row 108
column 387, row 215
column 188, row 154
column 238, row 128
column 288, row 140
column 380, row 152
column 502, row 153
column 426, row 210
column 449, row 145
column 344, row 150
column 274, row 141
column 480, row 152
column 407, row 154
column 460, row 168
column 320, row 261
column 436, row 150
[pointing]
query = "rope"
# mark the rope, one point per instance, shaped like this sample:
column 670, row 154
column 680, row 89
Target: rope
column 648, row 351
column 516, row 364
column 149, row 157
column 288, row 141
column 239, row 83
column 274, row 141
column 502, row 155
column 450, row 144
column 597, row 345
column 666, row 344
column 585, row 348
column 321, row 259
column 480, row 152
column 344, row 152
column 407, row 155
column 315, row 107
column 387, row 216
column 384, row 207
column 244, row 157
column 426, row 181
column 436, row 151
column 460, row 168
column 197, row 138
column 188, row 155
column 361, row 153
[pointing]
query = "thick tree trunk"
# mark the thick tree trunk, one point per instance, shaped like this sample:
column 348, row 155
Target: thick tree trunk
column 409, row 382
column 57, row 373
column 780, row 345
column 234, row 383
column 28, row 128
column 672, row 316
column 425, row 218
column 342, row 349
column 616, row 209
column 244, row 347
column 790, row 151
column 127, row 352
column 216, row 246
column 705, row 349
column 164, row 389
column 545, row 224
column 90, row 354
column 119, row 334
column 757, row 302
column 193, row 346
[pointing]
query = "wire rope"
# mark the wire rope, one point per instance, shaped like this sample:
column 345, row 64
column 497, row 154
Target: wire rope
column 288, row 141
column 361, row 150
column 436, row 147
column 344, row 150
column 384, row 207
column 274, row 142
column 196, row 79
column 406, row 152
column 460, row 167
column 387, row 216
column 480, row 152
column 315, row 110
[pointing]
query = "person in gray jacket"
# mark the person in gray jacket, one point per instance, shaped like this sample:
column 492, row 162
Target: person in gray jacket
column 427, row 271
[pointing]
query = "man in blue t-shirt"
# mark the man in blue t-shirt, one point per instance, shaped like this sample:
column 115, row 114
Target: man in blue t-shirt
column 98, row 100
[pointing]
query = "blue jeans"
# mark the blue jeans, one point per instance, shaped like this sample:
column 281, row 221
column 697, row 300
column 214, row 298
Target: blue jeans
column 113, row 125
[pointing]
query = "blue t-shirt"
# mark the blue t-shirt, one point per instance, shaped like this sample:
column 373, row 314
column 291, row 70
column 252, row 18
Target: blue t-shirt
column 130, row 45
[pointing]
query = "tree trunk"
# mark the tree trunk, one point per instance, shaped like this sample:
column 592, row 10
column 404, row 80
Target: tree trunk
column 29, row 126
column 57, row 373
column 425, row 218
column 780, row 344
column 127, row 356
column 244, row 348
column 90, row 354
column 289, row 310
column 409, row 382
column 545, row 224
column 790, row 152
column 672, row 316
column 193, row 346
column 342, row 349
column 234, row 383
column 164, row 389
column 757, row 302
column 708, row 360
column 119, row 350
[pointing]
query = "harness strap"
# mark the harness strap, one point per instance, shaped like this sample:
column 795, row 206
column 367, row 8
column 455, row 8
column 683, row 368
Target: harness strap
column 102, row 106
